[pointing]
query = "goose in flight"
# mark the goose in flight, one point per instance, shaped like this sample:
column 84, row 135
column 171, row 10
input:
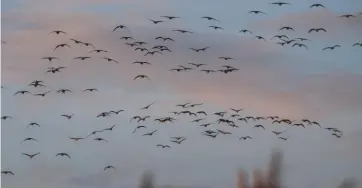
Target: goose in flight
column 226, row 58
column 109, row 167
column 245, row 31
column 100, row 139
column 163, row 146
column 256, row 12
column 6, row 172
column 50, row 58
column 29, row 139
column 178, row 141
column 68, row 116
column 150, row 133
column 121, row 27
column 331, row 47
column 245, row 137
column 260, row 126
column 209, row 18
column 280, row 3
column 76, row 138
column 170, row 17
column 317, row 5
column 182, row 31
column 6, row 117
column 138, row 127
column 148, row 106
column 33, row 124
column 317, row 30
column 61, row 46
column 58, row 32
column 63, row 154
column 155, row 21
column 90, row 89
column 63, row 91
column 23, row 92
column 141, row 77
column 283, row 138
column 31, row 156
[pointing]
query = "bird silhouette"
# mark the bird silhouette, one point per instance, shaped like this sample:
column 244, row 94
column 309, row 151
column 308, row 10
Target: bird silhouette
column 63, row 91
column 98, row 51
column 29, row 139
column 178, row 141
column 336, row 135
column 260, row 38
column 358, row 44
column 54, row 69
column 170, row 17
column 216, row 27
column 138, row 127
column 277, row 133
column 120, row 27
column 155, row 21
column 110, row 59
column 68, row 116
column 42, row 94
column 236, row 110
column 141, row 49
column 150, row 133
column 6, row 117
column 165, row 39
column 76, row 138
column 31, row 155
column 317, row 30
column 109, row 167
column 347, row 16
column 82, row 58
column 90, row 89
column 331, row 47
column 197, row 65
column 261, row 126
column 300, row 45
column 50, row 58
column 317, row 5
column 61, row 46
column 100, row 139
column 182, row 31
column 110, row 128
column 148, row 106
column 280, row 3
column 23, row 92
column 223, row 132
column 163, row 146
column 245, row 31
column 116, row 111
column 76, row 41
column 209, row 18
column 207, row 71
column 87, row 44
column 298, row 125
column 201, row 112
column 58, row 32
column 63, row 154
column 256, row 12
column 141, row 76
column 33, row 124
column 6, row 172
column 245, row 137
column 286, row 138
column 152, row 53
column 280, row 37
column 226, row 58
column 127, row 38
column 286, row 28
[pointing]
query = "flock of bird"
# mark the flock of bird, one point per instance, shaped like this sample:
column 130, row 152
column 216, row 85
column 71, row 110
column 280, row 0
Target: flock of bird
column 231, row 118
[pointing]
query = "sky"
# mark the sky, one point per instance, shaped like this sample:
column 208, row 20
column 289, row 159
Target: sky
column 272, row 80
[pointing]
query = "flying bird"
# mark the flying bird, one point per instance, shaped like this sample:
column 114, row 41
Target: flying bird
column 109, row 167
column 120, row 27
column 100, row 139
column 50, row 58
column 347, row 16
column 87, row 44
column 127, row 38
column 76, row 138
column 245, row 31
column 257, row 12
column 76, row 41
column 68, row 116
column 142, row 77
column 148, row 106
column 216, row 27
column 82, row 58
column 196, row 65
column 63, row 91
column 29, row 139
column 300, row 45
column 317, row 30
column 286, row 28
column 58, row 32
column 110, row 60
column 98, row 51
column 150, row 133
column 331, row 47
column 182, row 31
column 61, row 46
column 260, row 38
column 138, row 127
column 286, row 138
column 31, row 155
column 110, row 128
column 63, row 154
column 6, row 117
column 141, row 49
column 209, row 18
column 152, row 53
column 236, row 110
column 245, row 137
column 226, row 58
column 358, row 44
column 42, row 94
column 155, row 21
column 178, row 141
column 23, row 92
column 277, row 133
column 33, row 124
column 280, row 3
column 116, row 112
column 6, row 172
column 170, row 17
column 317, row 5
column 163, row 146
column 90, row 89
column 261, row 126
